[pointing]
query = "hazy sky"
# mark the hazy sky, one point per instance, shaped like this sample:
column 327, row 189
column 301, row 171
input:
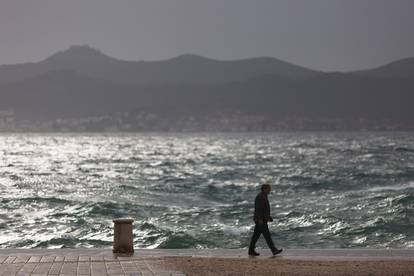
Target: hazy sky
column 320, row 34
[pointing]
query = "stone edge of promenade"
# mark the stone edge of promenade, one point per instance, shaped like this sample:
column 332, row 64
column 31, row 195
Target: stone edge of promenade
column 223, row 253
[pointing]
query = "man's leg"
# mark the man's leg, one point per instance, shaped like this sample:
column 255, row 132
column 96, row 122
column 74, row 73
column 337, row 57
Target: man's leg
column 255, row 237
column 268, row 238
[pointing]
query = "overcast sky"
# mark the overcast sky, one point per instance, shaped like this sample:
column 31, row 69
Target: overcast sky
column 321, row 34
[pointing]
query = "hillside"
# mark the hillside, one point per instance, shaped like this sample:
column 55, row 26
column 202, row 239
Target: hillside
column 69, row 94
column 182, row 69
column 77, row 86
column 401, row 69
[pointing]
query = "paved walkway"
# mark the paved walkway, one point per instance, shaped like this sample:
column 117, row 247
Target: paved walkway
column 69, row 265
column 67, row 262
column 296, row 254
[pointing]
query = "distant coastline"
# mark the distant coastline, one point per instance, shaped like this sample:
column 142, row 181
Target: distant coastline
column 150, row 122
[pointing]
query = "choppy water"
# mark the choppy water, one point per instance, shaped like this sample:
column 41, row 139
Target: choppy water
column 197, row 190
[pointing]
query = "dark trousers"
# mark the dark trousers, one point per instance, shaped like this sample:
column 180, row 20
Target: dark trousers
column 261, row 229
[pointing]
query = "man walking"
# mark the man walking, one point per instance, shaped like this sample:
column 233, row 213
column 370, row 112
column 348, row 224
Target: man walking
column 261, row 217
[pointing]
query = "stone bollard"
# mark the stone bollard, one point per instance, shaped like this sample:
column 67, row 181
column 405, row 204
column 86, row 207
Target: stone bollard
column 123, row 238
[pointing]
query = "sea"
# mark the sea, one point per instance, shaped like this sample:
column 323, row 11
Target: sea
column 197, row 190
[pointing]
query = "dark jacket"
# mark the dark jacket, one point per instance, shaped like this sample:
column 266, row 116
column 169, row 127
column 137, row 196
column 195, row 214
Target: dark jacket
column 261, row 207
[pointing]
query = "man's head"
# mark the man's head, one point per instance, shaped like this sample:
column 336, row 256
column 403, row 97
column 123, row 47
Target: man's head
column 266, row 188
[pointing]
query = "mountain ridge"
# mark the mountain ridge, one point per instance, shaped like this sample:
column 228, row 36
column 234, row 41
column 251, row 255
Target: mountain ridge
column 402, row 68
column 187, row 68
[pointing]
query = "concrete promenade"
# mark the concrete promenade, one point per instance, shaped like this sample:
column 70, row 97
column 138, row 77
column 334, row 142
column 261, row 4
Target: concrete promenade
column 71, row 262
column 149, row 261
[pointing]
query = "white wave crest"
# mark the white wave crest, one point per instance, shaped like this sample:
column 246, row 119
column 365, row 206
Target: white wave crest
column 409, row 185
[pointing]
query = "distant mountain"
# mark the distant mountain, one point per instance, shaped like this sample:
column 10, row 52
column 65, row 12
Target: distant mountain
column 67, row 94
column 340, row 95
column 191, row 69
column 82, row 83
column 402, row 69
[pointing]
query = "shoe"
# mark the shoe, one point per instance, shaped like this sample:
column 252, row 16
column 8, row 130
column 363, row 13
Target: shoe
column 276, row 251
column 253, row 253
